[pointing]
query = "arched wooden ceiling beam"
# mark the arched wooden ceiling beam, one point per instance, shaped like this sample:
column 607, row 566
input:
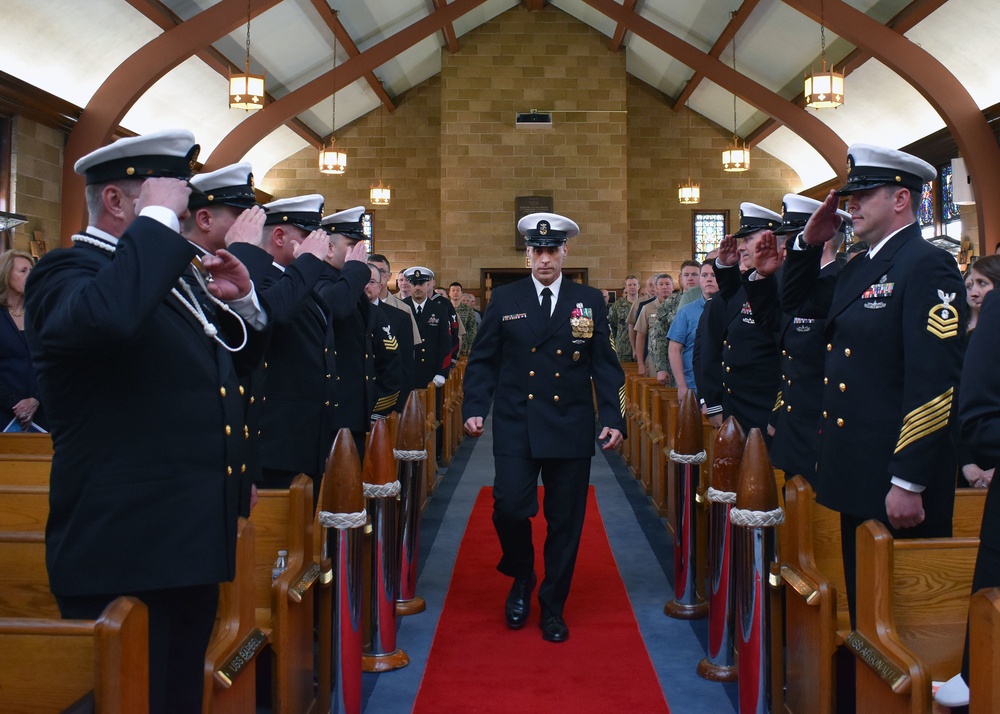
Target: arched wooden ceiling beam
column 814, row 132
column 618, row 39
column 166, row 19
column 450, row 38
column 737, row 21
column 131, row 78
column 329, row 16
column 938, row 86
column 261, row 123
column 904, row 21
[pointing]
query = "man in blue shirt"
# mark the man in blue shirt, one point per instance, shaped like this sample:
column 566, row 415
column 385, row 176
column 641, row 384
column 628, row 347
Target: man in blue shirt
column 682, row 333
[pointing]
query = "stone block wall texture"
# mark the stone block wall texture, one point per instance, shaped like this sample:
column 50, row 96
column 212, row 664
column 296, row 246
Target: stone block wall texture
column 37, row 181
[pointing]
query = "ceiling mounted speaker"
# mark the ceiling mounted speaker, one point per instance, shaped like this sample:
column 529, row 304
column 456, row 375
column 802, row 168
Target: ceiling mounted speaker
column 533, row 120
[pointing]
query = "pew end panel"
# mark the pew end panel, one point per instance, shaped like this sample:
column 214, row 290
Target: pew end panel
column 24, row 509
column 984, row 651
column 912, row 608
column 48, row 665
column 25, row 469
column 24, row 443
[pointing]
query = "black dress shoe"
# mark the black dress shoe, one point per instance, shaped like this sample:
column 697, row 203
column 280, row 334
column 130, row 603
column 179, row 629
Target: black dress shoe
column 553, row 627
column 518, row 604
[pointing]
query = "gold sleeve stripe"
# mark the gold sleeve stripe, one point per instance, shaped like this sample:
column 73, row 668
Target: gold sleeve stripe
column 925, row 420
column 613, row 348
column 387, row 401
column 778, row 403
column 621, row 399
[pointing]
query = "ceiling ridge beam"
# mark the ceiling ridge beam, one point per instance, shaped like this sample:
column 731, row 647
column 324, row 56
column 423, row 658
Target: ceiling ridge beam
column 737, row 21
column 904, row 21
column 333, row 22
column 821, row 137
column 120, row 90
column 935, row 83
column 162, row 16
column 244, row 136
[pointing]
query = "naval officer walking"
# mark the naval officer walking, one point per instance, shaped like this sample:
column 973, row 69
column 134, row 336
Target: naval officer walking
column 542, row 344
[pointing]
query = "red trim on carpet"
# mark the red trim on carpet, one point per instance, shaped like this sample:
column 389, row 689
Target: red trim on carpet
column 476, row 664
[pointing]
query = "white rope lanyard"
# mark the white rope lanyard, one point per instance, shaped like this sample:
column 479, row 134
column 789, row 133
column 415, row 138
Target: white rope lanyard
column 189, row 301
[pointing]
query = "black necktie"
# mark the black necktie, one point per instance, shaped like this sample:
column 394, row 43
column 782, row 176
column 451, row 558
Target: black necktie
column 546, row 304
column 420, row 309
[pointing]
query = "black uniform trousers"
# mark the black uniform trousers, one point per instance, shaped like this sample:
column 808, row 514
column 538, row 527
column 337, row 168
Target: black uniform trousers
column 180, row 625
column 515, row 502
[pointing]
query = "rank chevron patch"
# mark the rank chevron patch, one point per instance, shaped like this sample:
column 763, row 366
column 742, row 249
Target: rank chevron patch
column 942, row 320
column 925, row 419
column 391, row 345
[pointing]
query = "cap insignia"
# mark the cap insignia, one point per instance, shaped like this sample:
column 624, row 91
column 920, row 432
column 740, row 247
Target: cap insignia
column 543, row 228
column 130, row 170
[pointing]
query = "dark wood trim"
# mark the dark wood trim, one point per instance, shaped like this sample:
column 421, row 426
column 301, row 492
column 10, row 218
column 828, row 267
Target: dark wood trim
column 6, row 137
column 18, row 98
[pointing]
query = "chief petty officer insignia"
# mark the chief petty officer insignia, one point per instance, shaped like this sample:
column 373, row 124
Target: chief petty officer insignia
column 942, row 321
column 582, row 322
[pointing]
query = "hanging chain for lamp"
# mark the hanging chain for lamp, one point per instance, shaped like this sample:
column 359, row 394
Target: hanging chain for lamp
column 689, row 193
column 246, row 90
column 332, row 161
column 823, row 89
column 380, row 195
column 736, row 158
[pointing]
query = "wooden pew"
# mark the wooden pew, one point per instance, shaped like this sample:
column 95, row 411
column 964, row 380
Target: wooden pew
column 230, row 662
column 32, row 444
column 812, row 569
column 664, row 411
column 430, row 395
column 48, row 665
column 447, row 418
column 984, row 651
column 25, row 470
column 913, row 605
column 282, row 520
column 24, row 509
column 633, row 419
column 24, row 581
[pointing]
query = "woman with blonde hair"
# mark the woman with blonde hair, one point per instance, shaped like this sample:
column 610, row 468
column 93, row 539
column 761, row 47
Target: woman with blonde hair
column 18, row 390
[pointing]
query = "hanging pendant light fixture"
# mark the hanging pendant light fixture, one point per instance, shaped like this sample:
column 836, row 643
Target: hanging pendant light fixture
column 824, row 89
column 332, row 161
column 736, row 158
column 246, row 90
column 380, row 195
column 689, row 193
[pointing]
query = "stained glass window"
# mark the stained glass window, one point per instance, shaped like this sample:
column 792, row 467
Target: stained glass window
column 949, row 211
column 926, row 213
column 366, row 226
column 709, row 228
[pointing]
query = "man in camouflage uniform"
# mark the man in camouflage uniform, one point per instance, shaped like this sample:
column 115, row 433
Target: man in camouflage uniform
column 466, row 315
column 665, row 313
column 618, row 317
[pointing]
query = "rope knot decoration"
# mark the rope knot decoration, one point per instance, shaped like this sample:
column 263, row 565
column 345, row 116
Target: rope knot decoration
column 404, row 455
column 343, row 521
column 756, row 519
column 720, row 496
column 698, row 458
column 382, row 490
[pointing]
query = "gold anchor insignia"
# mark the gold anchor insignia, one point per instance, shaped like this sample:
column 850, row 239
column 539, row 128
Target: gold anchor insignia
column 543, row 228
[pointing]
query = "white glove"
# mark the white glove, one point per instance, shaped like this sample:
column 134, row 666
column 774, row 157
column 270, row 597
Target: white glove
column 438, row 380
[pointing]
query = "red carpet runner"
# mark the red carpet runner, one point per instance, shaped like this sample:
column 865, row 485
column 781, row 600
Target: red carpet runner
column 476, row 664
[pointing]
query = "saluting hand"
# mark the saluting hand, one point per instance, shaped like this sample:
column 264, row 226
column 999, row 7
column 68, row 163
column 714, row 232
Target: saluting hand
column 474, row 426
column 729, row 255
column 167, row 192
column 230, row 279
column 248, row 227
column 316, row 243
column 824, row 223
column 768, row 255
column 358, row 251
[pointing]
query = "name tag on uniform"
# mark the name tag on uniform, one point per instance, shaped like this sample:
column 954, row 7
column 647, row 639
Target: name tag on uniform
column 516, row 316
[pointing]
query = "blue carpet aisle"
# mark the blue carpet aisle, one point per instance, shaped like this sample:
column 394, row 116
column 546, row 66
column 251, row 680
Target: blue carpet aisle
column 642, row 550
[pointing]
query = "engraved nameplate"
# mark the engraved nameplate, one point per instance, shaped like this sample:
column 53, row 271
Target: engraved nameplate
column 799, row 584
column 889, row 672
column 247, row 650
column 300, row 586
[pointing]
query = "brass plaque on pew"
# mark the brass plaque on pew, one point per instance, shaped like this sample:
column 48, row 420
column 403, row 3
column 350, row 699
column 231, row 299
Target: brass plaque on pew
column 247, row 650
column 889, row 672
column 299, row 587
